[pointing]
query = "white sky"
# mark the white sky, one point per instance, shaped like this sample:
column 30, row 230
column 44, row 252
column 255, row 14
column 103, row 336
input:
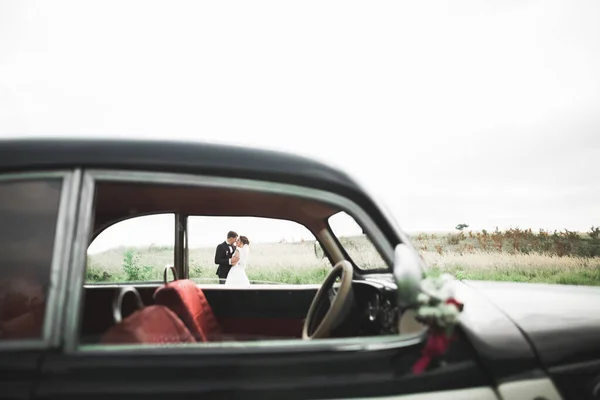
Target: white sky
column 476, row 111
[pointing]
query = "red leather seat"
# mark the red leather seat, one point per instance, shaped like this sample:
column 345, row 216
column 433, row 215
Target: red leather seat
column 27, row 325
column 187, row 300
column 152, row 324
column 22, row 306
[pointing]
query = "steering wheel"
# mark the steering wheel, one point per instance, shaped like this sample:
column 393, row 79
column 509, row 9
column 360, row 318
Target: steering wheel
column 330, row 305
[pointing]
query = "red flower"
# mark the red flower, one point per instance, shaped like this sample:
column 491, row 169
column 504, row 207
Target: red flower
column 457, row 303
column 436, row 346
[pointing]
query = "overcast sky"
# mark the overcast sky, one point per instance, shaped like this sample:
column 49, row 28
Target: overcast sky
column 481, row 112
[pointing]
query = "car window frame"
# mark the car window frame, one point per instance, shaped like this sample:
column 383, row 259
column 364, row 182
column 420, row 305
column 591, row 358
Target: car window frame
column 77, row 268
column 63, row 237
column 137, row 283
column 376, row 245
column 184, row 273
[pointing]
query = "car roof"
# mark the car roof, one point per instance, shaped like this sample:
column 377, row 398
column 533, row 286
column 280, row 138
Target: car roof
column 22, row 154
column 192, row 157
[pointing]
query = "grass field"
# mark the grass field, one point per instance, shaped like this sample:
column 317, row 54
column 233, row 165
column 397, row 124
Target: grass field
column 513, row 255
column 272, row 262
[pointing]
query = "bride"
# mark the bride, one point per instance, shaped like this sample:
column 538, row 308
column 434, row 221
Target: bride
column 237, row 273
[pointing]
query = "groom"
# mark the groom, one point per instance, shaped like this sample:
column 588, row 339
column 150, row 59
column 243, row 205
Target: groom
column 223, row 256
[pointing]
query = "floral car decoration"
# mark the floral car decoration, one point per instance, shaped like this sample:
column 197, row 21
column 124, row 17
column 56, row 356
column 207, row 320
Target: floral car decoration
column 439, row 310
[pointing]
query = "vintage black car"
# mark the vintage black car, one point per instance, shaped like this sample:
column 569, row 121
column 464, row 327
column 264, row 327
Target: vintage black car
column 352, row 337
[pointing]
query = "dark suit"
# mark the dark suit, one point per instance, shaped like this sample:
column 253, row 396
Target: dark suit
column 223, row 254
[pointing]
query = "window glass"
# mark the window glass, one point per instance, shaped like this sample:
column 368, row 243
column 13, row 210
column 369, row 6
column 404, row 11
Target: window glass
column 357, row 244
column 280, row 251
column 133, row 250
column 28, row 217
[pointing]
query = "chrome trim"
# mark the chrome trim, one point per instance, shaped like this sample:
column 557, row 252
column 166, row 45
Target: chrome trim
column 476, row 393
column 354, row 344
column 61, row 256
column 47, row 339
column 25, row 344
column 345, row 204
column 117, row 304
column 254, row 286
column 77, row 265
column 17, row 176
column 175, row 276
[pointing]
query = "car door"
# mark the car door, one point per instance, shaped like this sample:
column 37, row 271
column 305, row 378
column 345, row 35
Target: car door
column 36, row 221
column 355, row 367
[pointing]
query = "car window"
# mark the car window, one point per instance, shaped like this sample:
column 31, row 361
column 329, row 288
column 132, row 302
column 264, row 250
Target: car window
column 133, row 250
column 28, row 218
column 280, row 251
column 357, row 244
column 135, row 228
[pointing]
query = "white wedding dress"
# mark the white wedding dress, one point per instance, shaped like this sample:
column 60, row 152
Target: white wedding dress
column 237, row 274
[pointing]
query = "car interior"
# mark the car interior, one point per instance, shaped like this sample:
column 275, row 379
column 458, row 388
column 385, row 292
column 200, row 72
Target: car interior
column 351, row 302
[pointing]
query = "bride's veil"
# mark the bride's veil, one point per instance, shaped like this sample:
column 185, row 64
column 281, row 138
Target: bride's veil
column 246, row 250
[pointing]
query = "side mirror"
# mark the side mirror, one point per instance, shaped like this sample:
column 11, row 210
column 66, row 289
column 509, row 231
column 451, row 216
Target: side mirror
column 408, row 273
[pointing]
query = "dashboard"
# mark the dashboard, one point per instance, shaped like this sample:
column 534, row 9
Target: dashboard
column 375, row 311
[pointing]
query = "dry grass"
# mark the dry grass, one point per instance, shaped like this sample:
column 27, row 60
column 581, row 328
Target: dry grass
column 273, row 262
column 487, row 261
column 298, row 262
column 517, row 267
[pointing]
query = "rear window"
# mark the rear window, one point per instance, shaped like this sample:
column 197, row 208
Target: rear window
column 28, row 217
